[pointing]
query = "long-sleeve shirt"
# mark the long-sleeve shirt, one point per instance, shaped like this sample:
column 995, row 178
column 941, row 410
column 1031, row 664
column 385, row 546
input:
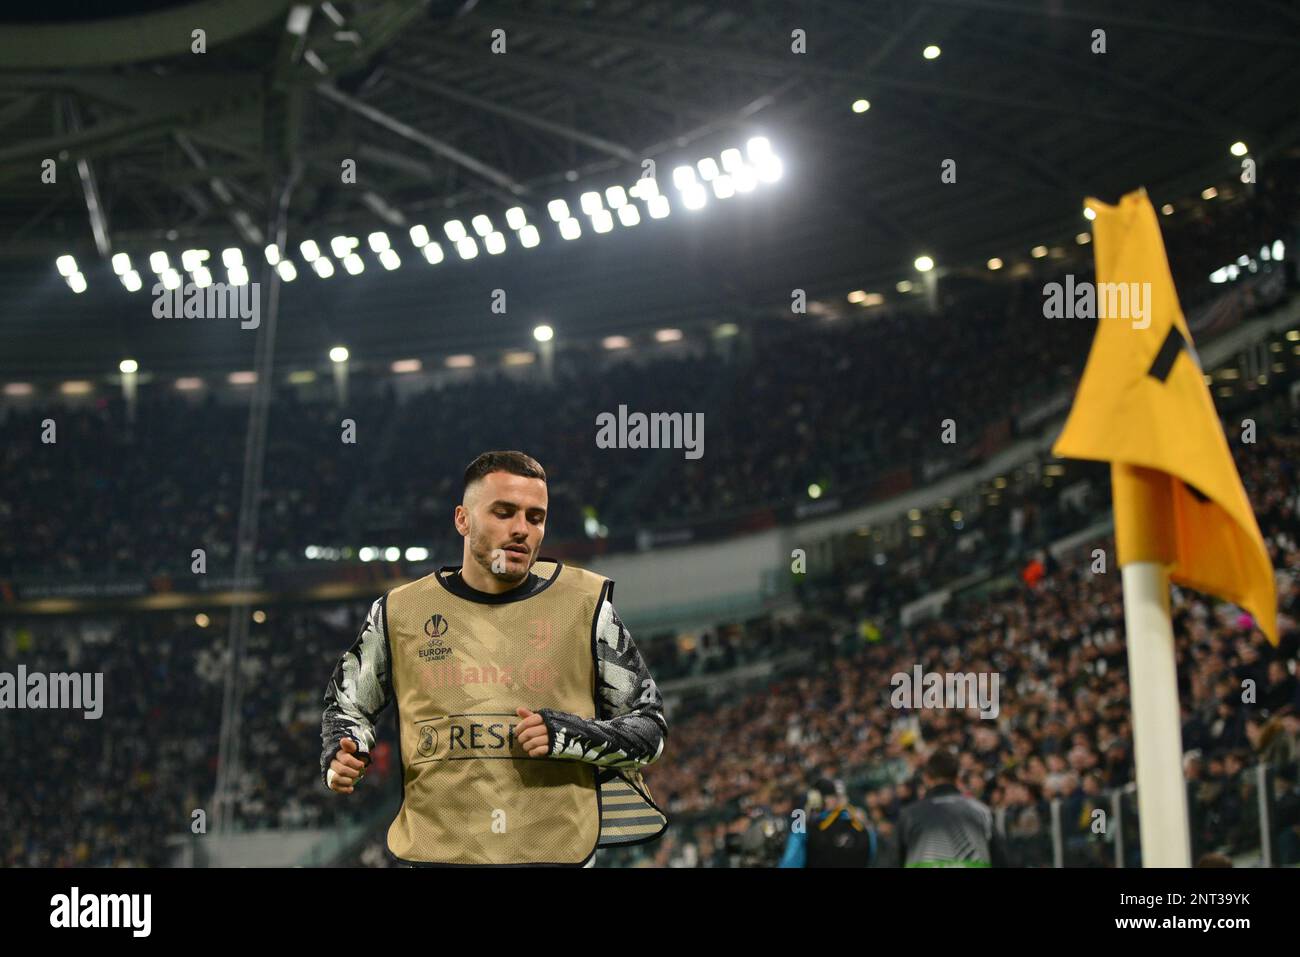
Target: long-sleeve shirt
column 628, row 732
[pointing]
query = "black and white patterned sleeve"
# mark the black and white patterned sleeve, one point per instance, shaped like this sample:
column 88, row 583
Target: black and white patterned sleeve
column 359, row 690
column 630, row 729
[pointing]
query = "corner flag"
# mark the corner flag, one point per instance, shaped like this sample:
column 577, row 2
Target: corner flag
column 1143, row 405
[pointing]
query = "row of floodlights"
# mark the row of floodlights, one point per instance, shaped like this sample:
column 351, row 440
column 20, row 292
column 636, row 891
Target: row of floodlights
column 731, row 174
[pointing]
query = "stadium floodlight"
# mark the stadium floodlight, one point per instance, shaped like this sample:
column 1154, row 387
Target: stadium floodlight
column 1038, row 252
column 1209, row 192
column 1167, row 209
column 188, row 383
column 459, row 362
column 616, row 342
column 628, row 215
column 467, row 248
column 1238, row 148
column 158, row 262
column 658, row 207
column 310, row 251
column 242, row 378
column 646, row 188
column 931, row 52
column 272, row 253
column 78, row 282
column 192, row 259
column 232, row 257
column 389, row 259
column 744, row 179
column 769, row 169
column 1083, row 238
column 732, row 160
column 367, row 554
column 694, row 197
column 131, row 279
column 904, row 285
column 683, row 177
column 1243, row 259
column 616, row 197
column 995, row 263
column 455, row 230
column 529, row 237
column 339, row 354
column 128, row 367
column 494, row 243
column 757, row 147
column 202, row 277
column 558, row 210
column 419, row 235
column 861, row 106
column 323, row 267
column 923, row 263
column 1219, row 275
column 602, row 221
column 1264, row 253
column 543, row 333
column 515, row 217
column 18, row 388
column 417, row 554
column 341, row 246
column 1279, row 249
column 724, row 187
column 238, row 275
column 482, row 225
column 287, row 270
column 814, row 490
column 857, row 295
column 121, row 263
column 379, row 242
column 590, row 202
column 392, row 553
column 708, row 168
column 353, row 264
column 75, row 387
column 407, row 365
column 668, row 335
column 433, row 253
column 171, row 279
column 570, row 229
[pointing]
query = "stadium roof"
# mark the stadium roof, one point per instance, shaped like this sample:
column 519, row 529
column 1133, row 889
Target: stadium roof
column 160, row 147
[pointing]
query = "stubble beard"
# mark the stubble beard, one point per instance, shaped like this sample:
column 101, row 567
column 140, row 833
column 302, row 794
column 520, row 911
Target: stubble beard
column 482, row 549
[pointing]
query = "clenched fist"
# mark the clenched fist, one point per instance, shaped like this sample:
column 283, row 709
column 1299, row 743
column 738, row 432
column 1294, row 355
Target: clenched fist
column 531, row 733
column 346, row 769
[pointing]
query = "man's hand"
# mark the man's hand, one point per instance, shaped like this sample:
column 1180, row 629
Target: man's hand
column 346, row 769
column 531, row 733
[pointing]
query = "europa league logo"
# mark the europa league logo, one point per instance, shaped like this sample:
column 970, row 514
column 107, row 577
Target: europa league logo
column 435, row 626
column 428, row 740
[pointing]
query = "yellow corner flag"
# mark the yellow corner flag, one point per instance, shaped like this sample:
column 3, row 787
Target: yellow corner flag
column 1143, row 405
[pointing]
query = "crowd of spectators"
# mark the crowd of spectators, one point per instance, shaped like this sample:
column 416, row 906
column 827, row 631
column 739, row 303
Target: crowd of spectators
column 849, row 405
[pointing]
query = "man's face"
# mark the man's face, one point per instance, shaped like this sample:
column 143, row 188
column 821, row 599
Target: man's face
column 503, row 519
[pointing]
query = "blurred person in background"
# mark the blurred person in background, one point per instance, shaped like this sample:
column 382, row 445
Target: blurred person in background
column 946, row 828
column 833, row 833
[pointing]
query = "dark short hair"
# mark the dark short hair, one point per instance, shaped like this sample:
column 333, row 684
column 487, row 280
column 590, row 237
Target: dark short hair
column 942, row 765
column 516, row 463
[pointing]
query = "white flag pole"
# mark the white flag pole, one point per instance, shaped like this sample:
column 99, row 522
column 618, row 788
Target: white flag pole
column 1157, row 726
